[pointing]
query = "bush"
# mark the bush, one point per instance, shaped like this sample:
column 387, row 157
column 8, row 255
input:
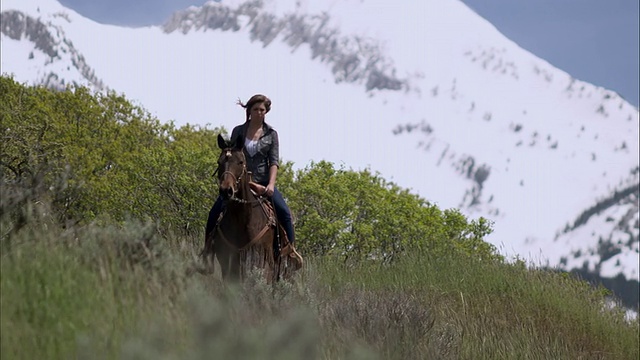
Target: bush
column 116, row 160
column 359, row 214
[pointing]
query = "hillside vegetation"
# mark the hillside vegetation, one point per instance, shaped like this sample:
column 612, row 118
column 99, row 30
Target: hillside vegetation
column 102, row 210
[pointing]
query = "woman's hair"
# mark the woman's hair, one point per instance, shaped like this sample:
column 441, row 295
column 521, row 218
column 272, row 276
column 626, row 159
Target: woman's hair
column 258, row 98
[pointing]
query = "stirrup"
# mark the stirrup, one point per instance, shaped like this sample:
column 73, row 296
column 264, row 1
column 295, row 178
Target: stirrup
column 290, row 251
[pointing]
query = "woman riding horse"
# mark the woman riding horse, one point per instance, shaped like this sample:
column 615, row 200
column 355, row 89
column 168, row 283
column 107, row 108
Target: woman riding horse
column 259, row 142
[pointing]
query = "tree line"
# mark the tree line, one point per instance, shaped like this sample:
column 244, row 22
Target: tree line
column 96, row 157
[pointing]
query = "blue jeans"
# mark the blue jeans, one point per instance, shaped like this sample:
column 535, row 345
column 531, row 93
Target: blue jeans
column 282, row 212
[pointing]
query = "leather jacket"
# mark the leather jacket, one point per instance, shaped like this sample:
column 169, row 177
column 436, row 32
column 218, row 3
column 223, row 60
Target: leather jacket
column 266, row 156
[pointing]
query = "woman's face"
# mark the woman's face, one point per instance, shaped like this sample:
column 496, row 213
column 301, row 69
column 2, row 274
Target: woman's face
column 258, row 110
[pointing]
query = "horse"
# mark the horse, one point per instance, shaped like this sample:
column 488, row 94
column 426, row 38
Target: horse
column 247, row 237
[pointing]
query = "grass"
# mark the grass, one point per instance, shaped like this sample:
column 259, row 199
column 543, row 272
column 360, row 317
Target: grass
column 494, row 310
column 123, row 293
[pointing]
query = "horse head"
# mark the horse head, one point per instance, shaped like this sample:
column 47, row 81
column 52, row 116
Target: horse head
column 232, row 167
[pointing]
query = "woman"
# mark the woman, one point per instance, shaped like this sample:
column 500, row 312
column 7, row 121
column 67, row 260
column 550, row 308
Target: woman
column 261, row 149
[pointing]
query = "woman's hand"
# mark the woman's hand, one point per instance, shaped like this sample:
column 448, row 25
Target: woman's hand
column 262, row 190
column 257, row 188
column 269, row 189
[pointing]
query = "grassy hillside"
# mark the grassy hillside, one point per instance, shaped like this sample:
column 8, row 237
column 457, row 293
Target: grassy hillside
column 122, row 292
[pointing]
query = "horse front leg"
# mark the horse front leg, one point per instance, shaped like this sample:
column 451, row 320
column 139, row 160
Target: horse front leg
column 229, row 264
column 208, row 254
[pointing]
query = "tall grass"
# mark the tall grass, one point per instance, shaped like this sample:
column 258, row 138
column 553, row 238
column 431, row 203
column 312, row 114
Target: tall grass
column 122, row 292
column 500, row 311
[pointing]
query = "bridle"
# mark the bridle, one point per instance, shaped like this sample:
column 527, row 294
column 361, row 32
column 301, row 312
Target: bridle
column 236, row 179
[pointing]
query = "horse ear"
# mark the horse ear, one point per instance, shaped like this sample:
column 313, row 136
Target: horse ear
column 222, row 143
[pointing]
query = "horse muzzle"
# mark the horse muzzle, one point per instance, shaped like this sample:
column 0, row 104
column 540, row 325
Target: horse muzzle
column 226, row 192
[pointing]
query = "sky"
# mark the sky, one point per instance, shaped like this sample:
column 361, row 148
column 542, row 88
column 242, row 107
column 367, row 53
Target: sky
column 592, row 40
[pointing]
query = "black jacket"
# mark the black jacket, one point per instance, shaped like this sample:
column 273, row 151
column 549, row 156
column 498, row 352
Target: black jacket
column 267, row 155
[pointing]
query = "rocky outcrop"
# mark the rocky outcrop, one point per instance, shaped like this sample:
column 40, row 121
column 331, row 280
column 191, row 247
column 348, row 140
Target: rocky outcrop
column 17, row 25
column 50, row 40
column 351, row 59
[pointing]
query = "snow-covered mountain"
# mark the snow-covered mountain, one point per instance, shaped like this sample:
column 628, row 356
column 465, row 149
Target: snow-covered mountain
column 428, row 94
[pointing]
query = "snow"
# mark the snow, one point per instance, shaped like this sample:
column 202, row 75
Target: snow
column 486, row 87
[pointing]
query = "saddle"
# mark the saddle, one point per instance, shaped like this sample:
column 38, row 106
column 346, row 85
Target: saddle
column 285, row 247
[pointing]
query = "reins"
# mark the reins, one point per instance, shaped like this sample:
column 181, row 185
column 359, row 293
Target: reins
column 244, row 201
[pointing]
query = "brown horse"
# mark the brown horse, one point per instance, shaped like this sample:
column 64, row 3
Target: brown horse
column 246, row 239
